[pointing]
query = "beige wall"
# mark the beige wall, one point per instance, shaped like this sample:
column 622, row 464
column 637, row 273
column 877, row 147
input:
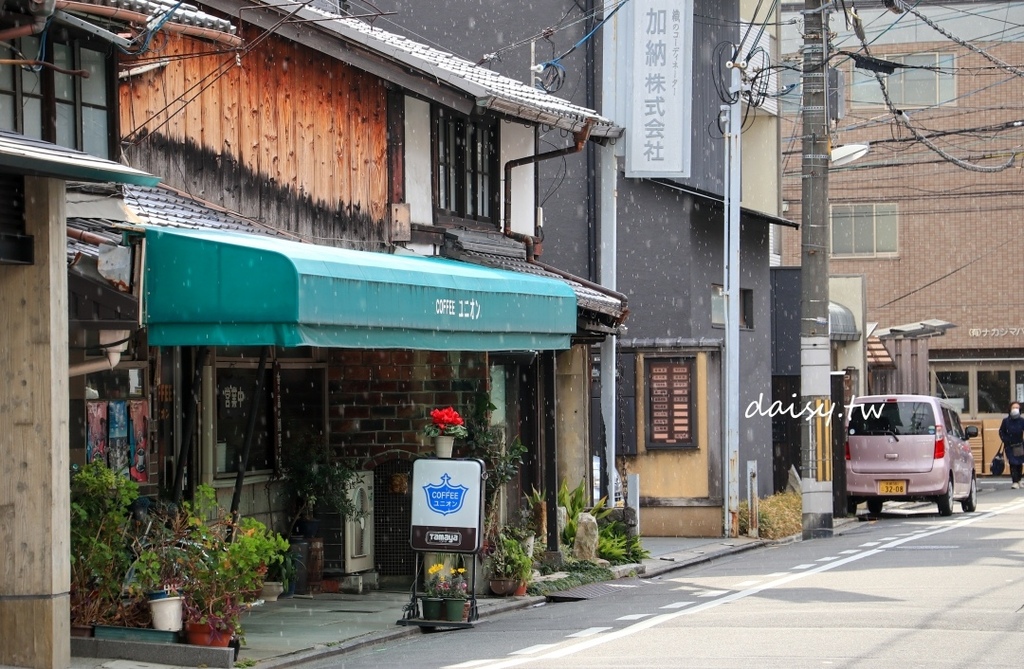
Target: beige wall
column 849, row 292
column 572, row 420
column 675, row 484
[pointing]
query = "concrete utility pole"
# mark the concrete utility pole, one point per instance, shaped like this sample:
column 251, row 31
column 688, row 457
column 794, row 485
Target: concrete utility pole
column 815, row 357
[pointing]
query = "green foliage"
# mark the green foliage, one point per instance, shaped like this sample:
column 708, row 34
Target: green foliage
column 227, row 561
column 100, row 521
column 575, row 503
column 502, row 461
column 315, row 480
column 611, row 546
column 509, row 559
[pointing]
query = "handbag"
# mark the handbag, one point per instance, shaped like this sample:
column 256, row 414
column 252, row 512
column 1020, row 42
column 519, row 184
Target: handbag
column 1017, row 451
column 998, row 463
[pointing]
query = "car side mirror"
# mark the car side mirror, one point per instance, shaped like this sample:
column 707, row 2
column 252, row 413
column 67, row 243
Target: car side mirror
column 972, row 431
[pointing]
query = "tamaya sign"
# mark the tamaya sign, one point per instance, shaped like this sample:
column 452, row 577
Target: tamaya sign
column 447, row 505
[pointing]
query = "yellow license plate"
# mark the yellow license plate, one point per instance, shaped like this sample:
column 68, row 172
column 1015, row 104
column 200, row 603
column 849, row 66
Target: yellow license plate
column 892, row 487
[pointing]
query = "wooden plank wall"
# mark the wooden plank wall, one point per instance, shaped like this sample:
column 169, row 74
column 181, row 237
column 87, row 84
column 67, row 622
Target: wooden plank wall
column 290, row 136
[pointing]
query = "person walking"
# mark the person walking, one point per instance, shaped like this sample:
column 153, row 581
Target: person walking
column 1011, row 433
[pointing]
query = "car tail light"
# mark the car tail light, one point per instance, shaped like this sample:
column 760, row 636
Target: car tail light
column 847, row 448
column 940, row 444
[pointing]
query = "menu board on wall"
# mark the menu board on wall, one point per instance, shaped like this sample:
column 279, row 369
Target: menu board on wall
column 670, row 406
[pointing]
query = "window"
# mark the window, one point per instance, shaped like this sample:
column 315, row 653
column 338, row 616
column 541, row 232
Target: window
column 993, row 390
column 467, row 161
column 864, row 229
column 293, row 404
column 926, row 80
column 670, row 413
column 718, row 306
column 80, row 115
column 954, row 386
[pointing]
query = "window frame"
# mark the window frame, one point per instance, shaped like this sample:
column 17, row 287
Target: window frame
column 690, row 442
column 853, row 222
column 746, row 307
column 463, row 168
column 272, row 392
column 48, row 123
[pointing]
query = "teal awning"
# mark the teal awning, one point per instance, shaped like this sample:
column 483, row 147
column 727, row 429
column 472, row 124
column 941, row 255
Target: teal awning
column 214, row 288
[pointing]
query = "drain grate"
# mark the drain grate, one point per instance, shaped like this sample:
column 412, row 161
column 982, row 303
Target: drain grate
column 589, row 591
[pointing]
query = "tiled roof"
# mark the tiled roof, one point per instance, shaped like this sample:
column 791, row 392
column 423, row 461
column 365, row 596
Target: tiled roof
column 163, row 206
column 490, row 89
column 180, row 13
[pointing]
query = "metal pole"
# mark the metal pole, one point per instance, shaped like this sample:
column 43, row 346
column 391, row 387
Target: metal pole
column 731, row 295
column 608, row 237
column 815, row 358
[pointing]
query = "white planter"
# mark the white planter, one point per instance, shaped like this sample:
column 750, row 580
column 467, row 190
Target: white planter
column 271, row 591
column 443, row 446
column 166, row 613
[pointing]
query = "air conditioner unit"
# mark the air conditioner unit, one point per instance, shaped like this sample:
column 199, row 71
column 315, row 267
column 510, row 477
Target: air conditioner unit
column 348, row 542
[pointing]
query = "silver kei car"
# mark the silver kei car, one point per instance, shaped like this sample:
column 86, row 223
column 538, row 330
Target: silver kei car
column 908, row 447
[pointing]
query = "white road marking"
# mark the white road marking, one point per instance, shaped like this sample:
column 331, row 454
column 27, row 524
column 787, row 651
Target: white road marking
column 466, row 665
column 746, row 584
column 676, row 605
column 712, row 593
column 828, row 559
column 534, row 649
column 849, row 552
column 742, row 594
column 803, row 566
column 870, row 544
column 621, row 585
column 635, row 616
column 590, row 631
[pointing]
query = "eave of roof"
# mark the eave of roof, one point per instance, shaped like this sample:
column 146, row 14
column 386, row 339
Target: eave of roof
column 485, row 88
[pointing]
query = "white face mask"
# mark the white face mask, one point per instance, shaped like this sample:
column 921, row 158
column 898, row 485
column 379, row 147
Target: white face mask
column 1014, row 412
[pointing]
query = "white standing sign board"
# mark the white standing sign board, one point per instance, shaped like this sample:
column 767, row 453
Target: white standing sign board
column 447, row 505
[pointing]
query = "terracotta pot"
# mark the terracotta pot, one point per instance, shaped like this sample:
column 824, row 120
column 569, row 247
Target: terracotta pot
column 503, row 587
column 199, row 634
column 521, row 589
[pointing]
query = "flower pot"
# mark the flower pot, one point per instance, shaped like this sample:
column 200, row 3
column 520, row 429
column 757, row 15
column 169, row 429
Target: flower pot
column 453, row 609
column 271, row 591
column 443, row 446
column 203, row 634
column 166, row 613
column 431, row 608
column 520, row 589
column 503, row 587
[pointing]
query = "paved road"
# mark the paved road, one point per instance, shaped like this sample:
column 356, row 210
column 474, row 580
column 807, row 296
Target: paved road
column 910, row 589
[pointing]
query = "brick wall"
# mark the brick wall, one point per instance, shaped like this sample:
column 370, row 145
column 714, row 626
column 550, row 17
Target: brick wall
column 960, row 251
column 379, row 401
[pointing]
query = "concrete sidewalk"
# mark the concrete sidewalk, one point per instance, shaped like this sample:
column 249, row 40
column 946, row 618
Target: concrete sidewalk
column 293, row 630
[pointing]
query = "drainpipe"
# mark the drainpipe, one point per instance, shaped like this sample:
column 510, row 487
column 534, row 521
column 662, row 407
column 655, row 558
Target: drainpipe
column 113, row 343
column 579, row 141
column 41, row 10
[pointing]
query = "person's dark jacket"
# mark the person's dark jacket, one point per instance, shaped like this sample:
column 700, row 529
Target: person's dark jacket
column 1012, row 432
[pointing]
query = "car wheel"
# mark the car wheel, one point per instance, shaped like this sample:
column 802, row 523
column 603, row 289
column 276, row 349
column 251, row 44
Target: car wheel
column 851, row 506
column 875, row 505
column 945, row 501
column 970, row 503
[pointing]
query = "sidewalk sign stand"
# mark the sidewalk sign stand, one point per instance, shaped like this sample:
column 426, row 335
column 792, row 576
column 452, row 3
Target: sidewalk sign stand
column 447, row 517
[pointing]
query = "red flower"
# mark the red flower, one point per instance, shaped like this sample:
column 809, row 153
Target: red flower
column 446, row 422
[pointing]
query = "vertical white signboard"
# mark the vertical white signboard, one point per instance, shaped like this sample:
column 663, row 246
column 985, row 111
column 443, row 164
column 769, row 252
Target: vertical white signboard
column 659, row 61
column 447, row 505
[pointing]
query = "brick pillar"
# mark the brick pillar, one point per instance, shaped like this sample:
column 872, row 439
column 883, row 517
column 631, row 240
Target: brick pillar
column 34, row 493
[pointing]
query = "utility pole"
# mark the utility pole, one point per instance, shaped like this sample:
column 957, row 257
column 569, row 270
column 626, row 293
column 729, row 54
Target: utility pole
column 815, row 353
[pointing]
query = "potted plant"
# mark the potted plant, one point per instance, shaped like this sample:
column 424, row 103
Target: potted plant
column 314, row 479
column 280, row 572
column 227, row 566
column 453, row 591
column 446, row 425
column 432, row 587
column 509, row 565
column 100, row 519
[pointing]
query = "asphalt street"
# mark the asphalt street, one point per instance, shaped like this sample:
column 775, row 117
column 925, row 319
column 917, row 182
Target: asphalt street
column 907, row 589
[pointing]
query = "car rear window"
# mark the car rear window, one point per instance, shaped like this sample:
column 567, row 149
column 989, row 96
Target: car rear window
column 892, row 418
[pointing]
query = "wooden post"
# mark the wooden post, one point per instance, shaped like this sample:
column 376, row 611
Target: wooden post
column 35, row 568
